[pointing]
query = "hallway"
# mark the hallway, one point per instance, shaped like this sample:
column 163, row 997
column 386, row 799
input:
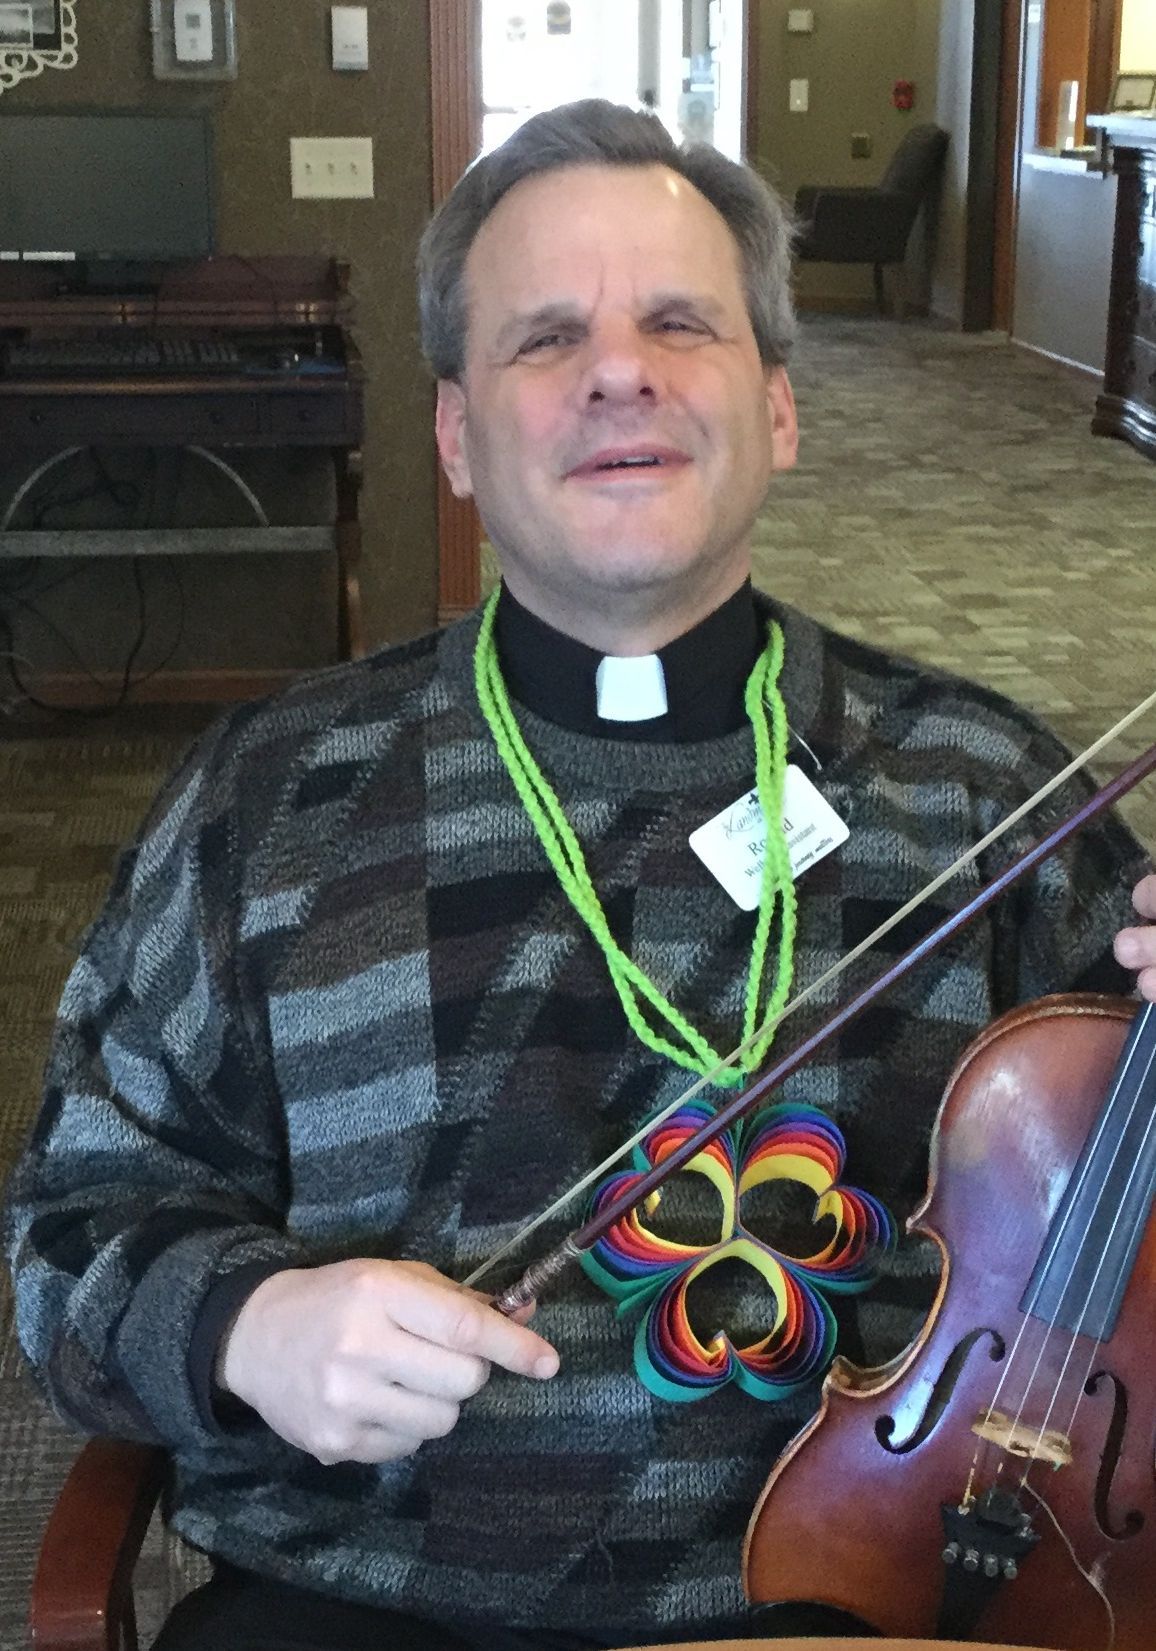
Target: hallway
column 951, row 504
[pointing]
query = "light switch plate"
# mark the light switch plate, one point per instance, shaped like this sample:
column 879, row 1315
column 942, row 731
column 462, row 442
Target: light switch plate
column 350, row 36
column 193, row 40
column 800, row 20
column 331, row 168
column 800, row 97
column 193, row 31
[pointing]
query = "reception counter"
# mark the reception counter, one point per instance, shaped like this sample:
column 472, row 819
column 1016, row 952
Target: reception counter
column 1127, row 405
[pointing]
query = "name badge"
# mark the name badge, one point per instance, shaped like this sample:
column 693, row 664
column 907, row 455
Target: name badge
column 733, row 845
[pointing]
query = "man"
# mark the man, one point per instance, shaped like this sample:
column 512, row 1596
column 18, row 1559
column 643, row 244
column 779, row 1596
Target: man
column 402, row 953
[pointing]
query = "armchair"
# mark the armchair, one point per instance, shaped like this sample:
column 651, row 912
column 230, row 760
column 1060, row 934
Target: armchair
column 82, row 1598
column 872, row 225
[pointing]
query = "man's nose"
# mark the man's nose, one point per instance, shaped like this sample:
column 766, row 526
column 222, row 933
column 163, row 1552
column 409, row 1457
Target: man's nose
column 621, row 367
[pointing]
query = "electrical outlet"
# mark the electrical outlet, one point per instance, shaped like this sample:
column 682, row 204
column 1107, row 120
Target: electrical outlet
column 860, row 146
column 331, row 168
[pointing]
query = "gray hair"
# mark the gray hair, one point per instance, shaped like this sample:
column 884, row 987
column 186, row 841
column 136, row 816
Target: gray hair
column 594, row 132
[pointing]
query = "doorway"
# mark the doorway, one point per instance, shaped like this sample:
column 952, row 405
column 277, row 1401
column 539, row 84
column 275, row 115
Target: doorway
column 682, row 58
column 494, row 63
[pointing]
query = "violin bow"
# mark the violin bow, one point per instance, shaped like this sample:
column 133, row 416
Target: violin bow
column 540, row 1274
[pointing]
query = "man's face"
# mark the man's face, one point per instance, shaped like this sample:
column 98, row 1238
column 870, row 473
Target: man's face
column 614, row 421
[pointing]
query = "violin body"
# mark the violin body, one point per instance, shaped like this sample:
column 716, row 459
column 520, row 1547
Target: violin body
column 851, row 1515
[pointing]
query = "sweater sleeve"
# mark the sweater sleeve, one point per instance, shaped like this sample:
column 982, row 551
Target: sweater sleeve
column 156, row 1170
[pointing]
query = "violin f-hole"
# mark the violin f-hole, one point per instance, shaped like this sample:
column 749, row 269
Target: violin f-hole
column 1110, row 1460
column 941, row 1393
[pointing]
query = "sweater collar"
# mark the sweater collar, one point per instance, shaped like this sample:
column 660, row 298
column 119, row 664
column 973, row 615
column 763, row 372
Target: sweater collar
column 703, row 672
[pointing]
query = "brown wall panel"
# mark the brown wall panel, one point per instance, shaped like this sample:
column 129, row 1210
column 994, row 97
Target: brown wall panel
column 1067, row 29
column 455, row 74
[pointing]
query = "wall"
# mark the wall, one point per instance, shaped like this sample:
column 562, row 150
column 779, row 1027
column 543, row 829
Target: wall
column 859, row 48
column 1061, row 303
column 1064, row 56
column 954, row 47
column 1138, row 36
column 285, row 87
column 1063, row 240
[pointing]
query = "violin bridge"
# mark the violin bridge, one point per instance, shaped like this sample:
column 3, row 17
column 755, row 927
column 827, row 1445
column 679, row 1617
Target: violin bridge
column 1020, row 1439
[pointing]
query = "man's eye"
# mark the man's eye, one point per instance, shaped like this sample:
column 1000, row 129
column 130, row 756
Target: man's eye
column 543, row 341
column 682, row 324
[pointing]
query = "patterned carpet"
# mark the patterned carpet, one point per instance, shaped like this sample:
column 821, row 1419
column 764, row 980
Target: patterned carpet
column 949, row 503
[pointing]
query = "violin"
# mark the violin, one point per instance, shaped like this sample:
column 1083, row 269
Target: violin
column 998, row 1481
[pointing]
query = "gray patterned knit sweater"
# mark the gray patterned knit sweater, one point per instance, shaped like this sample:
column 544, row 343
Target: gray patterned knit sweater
column 337, row 1005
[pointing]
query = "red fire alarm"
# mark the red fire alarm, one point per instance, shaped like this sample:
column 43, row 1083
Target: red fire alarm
column 903, row 94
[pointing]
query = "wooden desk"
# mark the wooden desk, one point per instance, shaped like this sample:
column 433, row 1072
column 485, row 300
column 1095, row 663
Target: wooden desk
column 276, row 309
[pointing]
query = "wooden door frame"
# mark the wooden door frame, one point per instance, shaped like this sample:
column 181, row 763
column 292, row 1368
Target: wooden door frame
column 456, row 124
column 983, row 125
column 1009, row 146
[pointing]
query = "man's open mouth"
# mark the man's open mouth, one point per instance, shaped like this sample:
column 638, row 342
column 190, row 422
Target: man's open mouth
column 609, row 461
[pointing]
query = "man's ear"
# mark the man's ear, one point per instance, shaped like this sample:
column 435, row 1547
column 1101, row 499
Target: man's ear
column 450, row 427
column 784, row 422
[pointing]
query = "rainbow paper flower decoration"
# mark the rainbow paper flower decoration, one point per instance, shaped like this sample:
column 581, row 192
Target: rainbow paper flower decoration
column 639, row 1269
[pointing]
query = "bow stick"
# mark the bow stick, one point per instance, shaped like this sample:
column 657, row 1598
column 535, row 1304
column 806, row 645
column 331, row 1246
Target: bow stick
column 535, row 1279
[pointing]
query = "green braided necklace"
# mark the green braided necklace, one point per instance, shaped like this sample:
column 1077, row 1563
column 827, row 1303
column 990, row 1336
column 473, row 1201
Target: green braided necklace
column 768, row 717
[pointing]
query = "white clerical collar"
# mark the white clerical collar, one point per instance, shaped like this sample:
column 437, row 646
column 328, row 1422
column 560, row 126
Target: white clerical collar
column 704, row 672
column 630, row 690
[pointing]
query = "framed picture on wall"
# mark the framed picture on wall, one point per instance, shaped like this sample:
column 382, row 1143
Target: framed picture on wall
column 34, row 25
column 1134, row 94
column 46, row 25
column 16, row 25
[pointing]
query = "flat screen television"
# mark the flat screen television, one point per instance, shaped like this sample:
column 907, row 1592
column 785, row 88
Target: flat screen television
column 119, row 185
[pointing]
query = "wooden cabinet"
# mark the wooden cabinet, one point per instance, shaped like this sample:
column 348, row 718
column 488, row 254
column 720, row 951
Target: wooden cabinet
column 1127, row 405
column 297, row 385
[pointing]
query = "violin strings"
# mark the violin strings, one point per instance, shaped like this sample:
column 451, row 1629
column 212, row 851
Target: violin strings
column 1082, row 1393
column 1028, row 1318
column 808, row 992
column 1050, row 1327
column 1116, row 1218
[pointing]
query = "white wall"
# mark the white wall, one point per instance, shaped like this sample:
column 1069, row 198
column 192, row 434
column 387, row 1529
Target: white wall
column 953, row 113
column 1064, row 237
column 1138, row 37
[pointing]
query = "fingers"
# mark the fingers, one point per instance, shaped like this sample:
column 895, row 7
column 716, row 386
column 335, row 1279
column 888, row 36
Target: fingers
column 393, row 1422
column 1135, row 948
column 363, row 1360
column 458, row 1320
column 411, row 1389
column 1144, row 896
column 520, row 1315
column 424, row 1367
